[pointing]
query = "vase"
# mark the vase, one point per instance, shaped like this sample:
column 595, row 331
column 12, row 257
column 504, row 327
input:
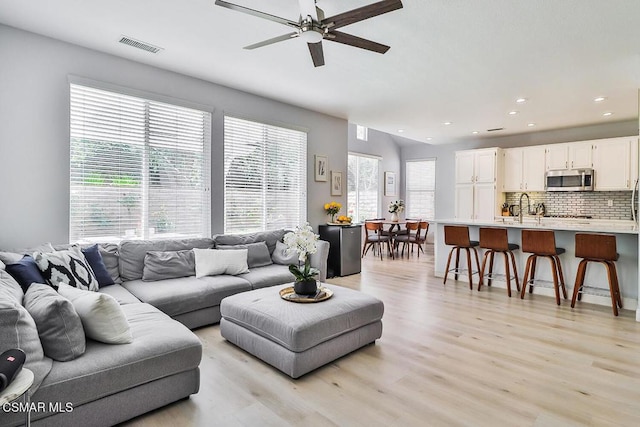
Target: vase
column 394, row 217
column 305, row 287
column 333, row 218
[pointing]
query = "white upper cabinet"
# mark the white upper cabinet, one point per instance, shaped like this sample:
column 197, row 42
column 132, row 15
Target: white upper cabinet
column 476, row 184
column 615, row 162
column 574, row 155
column 523, row 169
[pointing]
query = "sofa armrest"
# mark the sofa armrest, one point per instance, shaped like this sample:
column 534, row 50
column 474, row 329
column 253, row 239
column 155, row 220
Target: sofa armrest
column 319, row 259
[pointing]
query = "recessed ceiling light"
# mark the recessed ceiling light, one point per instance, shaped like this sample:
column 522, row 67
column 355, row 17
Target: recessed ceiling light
column 521, row 100
column 531, row 124
column 447, row 123
column 607, row 114
column 475, row 132
column 599, row 99
column 400, row 130
column 429, row 138
column 513, row 113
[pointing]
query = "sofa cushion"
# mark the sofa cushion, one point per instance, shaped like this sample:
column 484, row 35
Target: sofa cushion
column 213, row 262
column 161, row 347
column 282, row 255
column 26, row 272
column 121, row 295
column 94, row 258
column 16, row 255
column 59, row 326
column 69, row 266
column 102, row 317
column 168, row 265
column 187, row 294
column 18, row 330
column 132, row 253
column 269, row 237
column 269, row 275
column 257, row 253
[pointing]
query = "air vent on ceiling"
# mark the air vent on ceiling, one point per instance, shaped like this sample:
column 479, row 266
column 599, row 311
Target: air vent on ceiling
column 494, row 129
column 139, row 44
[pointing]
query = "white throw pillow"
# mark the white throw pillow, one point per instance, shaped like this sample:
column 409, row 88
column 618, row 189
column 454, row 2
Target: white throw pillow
column 211, row 262
column 102, row 317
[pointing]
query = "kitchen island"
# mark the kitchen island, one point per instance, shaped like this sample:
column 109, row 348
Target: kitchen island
column 626, row 233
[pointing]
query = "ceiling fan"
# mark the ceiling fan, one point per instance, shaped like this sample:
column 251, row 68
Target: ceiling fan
column 313, row 27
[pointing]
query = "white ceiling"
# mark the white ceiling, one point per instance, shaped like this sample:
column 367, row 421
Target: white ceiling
column 463, row 61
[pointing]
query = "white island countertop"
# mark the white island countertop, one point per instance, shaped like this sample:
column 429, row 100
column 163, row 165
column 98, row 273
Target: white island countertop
column 568, row 224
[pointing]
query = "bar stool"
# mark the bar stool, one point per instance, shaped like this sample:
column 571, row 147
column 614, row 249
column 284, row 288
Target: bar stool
column 496, row 240
column 597, row 248
column 458, row 237
column 542, row 243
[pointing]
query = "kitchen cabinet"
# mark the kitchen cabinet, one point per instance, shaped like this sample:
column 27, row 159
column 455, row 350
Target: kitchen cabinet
column 345, row 244
column 477, row 181
column 574, row 155
column 615, row 163
column 523, row 169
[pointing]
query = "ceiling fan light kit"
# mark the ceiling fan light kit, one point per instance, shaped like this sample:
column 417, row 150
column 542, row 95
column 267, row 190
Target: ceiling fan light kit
column 313, row 27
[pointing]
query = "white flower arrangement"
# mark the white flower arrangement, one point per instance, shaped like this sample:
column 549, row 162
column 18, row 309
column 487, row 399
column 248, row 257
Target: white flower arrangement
column 396, row 206
column 305, row 242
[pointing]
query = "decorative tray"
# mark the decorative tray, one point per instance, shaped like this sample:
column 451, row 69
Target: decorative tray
column 288, row 294
column 339, row 223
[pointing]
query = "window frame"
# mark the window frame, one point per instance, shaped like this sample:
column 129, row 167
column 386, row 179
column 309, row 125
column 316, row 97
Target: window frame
column 379, row 180
column 408, row 190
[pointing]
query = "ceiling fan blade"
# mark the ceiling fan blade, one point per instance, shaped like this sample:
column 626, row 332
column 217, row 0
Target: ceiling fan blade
column 317, row 54
column 257, row 13
column 351, row 40
column 361, row 13
column 308, row 8
column 272, row 41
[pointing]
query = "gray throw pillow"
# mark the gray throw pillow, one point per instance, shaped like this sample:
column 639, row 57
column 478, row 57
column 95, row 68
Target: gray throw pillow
column 18, row 330
column 282, row 256
column 258, row 253
column 159, row 265
column 59, row 326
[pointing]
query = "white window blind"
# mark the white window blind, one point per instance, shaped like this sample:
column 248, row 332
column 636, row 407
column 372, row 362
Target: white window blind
column 363, row 185
column 139, row 168
column 362, row 133
column 421, row 188
column 265, row 176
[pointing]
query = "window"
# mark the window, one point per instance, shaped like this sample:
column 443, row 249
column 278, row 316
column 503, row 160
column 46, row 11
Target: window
column 362, row 133
column 265, row 176
column 421, row 189
column 139, row 168
column 363, row 188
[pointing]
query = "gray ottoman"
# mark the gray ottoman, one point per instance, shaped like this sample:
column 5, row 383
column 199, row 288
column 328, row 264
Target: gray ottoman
column 297, row 338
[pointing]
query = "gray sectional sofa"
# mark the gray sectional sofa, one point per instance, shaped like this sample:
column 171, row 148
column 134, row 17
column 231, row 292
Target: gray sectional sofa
column 110, row 383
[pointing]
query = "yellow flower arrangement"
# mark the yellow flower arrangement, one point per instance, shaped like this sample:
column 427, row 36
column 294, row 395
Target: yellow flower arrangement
column 332, row 209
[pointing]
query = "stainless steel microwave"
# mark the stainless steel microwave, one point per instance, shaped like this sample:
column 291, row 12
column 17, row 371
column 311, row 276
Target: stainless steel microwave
column 569, row 180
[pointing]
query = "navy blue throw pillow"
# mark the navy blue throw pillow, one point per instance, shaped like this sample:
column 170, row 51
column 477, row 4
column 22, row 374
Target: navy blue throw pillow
column 25, row 272
column 93, row 257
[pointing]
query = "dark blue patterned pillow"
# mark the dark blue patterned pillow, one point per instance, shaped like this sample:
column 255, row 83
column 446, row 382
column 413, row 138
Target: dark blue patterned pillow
column 69, row 267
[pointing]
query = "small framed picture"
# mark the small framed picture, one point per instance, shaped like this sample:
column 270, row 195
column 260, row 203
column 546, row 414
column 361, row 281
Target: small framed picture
column 336, row 183
column 389, row 183
column 320, row 166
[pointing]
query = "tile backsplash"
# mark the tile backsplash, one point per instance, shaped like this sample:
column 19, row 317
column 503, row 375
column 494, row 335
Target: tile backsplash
column 592, row 203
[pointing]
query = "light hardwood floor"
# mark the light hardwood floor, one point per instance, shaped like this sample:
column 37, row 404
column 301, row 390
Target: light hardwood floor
column 448, row 356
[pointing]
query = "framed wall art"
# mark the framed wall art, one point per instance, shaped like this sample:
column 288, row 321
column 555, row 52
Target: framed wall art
column 389, row 183
column 336, row 183
column 320, row 167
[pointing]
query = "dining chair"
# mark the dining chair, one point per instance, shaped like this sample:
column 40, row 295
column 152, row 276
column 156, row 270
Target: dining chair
column 409, row 237
column 374, row 238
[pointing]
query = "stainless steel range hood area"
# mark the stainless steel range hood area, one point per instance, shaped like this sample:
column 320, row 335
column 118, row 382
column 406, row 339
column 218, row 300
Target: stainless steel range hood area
column 569, row 180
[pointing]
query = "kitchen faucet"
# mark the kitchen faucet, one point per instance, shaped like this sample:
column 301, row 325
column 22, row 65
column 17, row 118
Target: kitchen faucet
column 520, row 206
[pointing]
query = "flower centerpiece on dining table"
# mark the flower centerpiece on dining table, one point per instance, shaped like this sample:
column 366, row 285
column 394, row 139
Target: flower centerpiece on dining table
column 396, row 207
column 304, row 242
column 332, row 208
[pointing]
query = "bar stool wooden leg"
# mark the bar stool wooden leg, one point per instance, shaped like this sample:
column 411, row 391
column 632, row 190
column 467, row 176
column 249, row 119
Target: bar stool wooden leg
column 507, row 272
column 469, row 267
column 455, row 273
column 554, row 272
column 612, row 287
column 484, row 265
column 446, row 271
column 582, row 267
column 489, row 279
column 525, row 280
column 615, row 277
column 515, row 270
column 533, row 273
column 560, row 275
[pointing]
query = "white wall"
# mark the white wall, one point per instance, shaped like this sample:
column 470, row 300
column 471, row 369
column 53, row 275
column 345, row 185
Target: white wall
column 34, row 130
